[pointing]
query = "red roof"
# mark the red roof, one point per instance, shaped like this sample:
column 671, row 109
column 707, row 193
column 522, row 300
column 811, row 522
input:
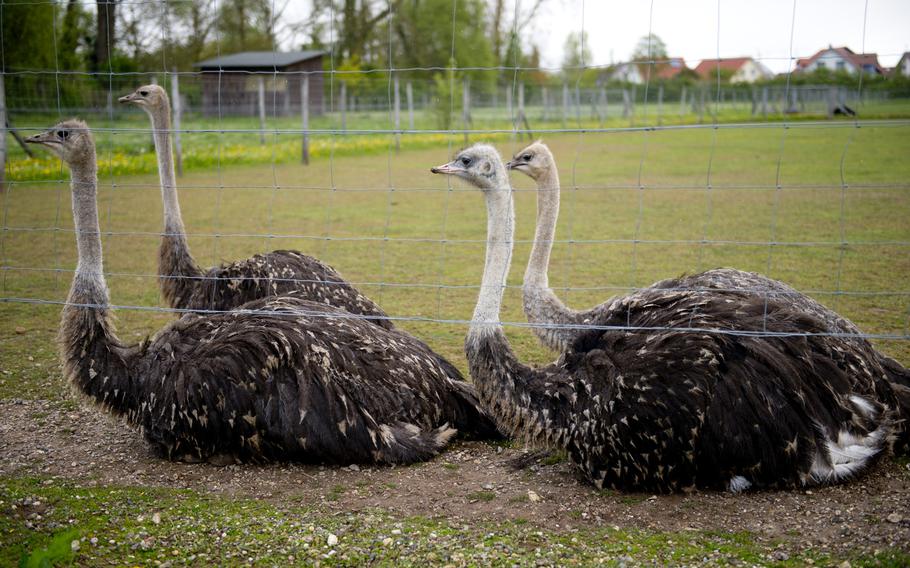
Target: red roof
column 669, row 68
column 708, row 67
column 859, row 60
column 664, row 68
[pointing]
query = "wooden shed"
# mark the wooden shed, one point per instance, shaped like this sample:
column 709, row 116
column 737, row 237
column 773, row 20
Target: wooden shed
column 231, row 83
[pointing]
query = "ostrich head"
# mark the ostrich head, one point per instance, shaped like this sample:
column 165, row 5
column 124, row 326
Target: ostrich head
column 71, row 140
column 480, row 165
column 148, row 97
column 534, row 161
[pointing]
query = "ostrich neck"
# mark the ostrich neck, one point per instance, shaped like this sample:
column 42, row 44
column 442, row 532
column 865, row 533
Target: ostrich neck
column 161, row 124
column 547, row 215
column 500, row 233
column 85, row 216
column 512, row 392
column 93, row 358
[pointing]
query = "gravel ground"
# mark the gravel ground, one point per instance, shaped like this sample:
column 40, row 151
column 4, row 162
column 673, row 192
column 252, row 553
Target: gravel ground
column 471, row 481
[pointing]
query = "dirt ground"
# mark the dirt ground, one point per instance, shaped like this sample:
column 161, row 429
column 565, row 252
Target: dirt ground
column 470, row 481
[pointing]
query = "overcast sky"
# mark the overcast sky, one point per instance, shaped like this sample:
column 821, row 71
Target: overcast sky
column 747, row 28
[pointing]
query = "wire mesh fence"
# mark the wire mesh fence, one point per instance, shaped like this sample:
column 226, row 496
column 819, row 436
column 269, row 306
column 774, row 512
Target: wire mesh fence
column 802, row 182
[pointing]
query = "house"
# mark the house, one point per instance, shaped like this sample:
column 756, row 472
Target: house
column 669, row 68
column 625, row 72
column 840, row 59
column 903, row 66
column 638, row 73
column 738, row 69
column 230, row 84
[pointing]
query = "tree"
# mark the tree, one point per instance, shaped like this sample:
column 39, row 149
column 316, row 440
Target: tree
column 649, row 48
column 424, row 31
column 576, row 60
column 105, row 33
column 357, row 24
column 75, row 37
column 650, row 55
column 25, row 43
column 248, row 24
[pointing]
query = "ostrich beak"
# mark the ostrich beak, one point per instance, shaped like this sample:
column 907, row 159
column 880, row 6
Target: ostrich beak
column 46, row 137
column 511, row 164
column 450, row 168
column 127, row 98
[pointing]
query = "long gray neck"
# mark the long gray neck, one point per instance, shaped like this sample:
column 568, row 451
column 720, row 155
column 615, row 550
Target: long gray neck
column 93, row 358
column 547, row 215
column 522, row 404
column 84, row 180
column 500, row 236
column 161, row 124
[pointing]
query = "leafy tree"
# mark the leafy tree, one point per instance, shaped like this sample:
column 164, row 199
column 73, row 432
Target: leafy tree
column 575, row 52
column 75, row 38
column 577, row 55
column 649, row 48
column 424, row 32
column 105, row 33
column 246, row 25
column 25, row 36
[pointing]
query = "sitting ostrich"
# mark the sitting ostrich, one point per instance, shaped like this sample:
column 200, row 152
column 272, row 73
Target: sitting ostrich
column 280, row 378
column 188, row 287
column 557, row 325
column 643, row 405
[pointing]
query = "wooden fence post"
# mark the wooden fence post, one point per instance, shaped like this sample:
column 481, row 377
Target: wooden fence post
column 344, row 106
column 410, row 96
column 546, row 104
column 565, row 104
column 305, row 118
column 660, row 105
column 466, row 107
column 261, row 109
column 682, row 101
column 178, row 117
column 397, row 115
column 3, row 131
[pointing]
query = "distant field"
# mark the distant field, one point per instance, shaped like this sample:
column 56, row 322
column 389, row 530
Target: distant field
column 389, row 225
column 125, row 145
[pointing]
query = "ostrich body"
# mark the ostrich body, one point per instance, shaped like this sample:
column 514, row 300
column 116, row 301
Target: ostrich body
column 187, row 286
column 281, row 378
column 642, row 406
column 557, row 325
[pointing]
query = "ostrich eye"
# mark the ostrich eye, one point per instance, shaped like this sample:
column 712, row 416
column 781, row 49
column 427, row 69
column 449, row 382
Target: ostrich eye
column 144, row 93
column 465, row 161
column 63, row 134
column 526, row 157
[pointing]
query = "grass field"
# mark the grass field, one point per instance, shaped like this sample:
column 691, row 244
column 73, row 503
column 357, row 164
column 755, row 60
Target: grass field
column 125, row 145
column 637, row 207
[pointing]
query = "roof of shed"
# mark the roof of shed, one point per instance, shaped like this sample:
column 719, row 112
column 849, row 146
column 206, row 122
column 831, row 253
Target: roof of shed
column 258, row 59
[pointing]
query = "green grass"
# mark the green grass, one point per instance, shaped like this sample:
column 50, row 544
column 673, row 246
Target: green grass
column 379, row 195
column 415, row 276
column 117, row 524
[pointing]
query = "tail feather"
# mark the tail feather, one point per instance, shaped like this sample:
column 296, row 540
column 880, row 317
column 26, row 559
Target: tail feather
column 465, row 412
column 406, row 443
column 468, row 416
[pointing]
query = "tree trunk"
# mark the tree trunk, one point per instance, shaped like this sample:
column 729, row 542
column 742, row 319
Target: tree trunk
column 105, row 33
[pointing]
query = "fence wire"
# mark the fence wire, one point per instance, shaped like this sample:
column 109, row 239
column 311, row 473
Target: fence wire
column 830, row 232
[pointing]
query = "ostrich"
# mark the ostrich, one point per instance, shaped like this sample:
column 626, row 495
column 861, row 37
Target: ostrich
column 280, row 378
column 186, row 286
column 641, row 404
column 557, row 325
